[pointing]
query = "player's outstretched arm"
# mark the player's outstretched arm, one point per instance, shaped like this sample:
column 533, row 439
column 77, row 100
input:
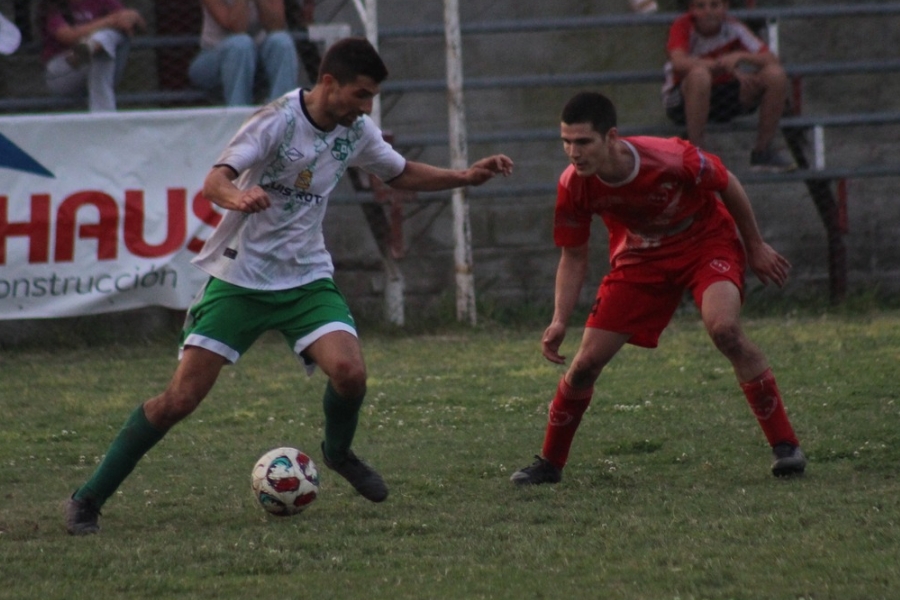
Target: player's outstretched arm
column 423, row 177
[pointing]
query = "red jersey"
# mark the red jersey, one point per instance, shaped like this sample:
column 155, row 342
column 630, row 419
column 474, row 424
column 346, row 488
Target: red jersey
column 668, row 202
column 734, row 36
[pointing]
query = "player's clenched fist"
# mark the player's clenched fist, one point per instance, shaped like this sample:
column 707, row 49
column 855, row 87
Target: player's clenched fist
column 253, row 200
column 219, row 188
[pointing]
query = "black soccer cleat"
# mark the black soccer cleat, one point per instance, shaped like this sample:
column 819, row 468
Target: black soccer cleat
column 788, row 460
column 541, row 471
column 361, row 476
column 81, row 516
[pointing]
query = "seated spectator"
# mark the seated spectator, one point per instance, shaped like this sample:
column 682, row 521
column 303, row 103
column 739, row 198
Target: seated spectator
column 86, row 45
column 237, row 35
column 718, row 69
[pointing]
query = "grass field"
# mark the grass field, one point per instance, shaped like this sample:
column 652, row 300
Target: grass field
column 667, row 495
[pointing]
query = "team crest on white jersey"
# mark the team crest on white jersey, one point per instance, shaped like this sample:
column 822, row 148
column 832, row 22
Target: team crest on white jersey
column 341, row 149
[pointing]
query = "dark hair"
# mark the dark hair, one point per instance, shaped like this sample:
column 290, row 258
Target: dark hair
column 590, row 107
column 350, row 58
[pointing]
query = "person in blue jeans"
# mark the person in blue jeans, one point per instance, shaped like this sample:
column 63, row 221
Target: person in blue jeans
column 238, row 38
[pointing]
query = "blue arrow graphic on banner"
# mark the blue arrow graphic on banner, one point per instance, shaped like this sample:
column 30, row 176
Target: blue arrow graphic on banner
column 13, row 157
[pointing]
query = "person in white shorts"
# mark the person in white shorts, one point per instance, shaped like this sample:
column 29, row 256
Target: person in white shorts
column 85, row 47
column 269, row 268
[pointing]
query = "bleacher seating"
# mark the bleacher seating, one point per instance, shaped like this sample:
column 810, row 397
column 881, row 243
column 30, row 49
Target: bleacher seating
column 173, row 53
column 171, row 90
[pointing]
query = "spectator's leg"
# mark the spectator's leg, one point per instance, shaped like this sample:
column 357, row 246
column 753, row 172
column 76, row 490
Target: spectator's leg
column 279, row 58
column 63, row 80
column 228, row 68
column 107, row 66
column 122, row 50
column 768, row 88
column 203, row 72
column 696, row 88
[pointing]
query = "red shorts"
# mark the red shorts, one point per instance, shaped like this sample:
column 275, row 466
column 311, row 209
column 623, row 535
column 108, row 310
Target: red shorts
column 640, row 298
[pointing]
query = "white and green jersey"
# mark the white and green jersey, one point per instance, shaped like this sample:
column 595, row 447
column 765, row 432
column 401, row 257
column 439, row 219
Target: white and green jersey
column 298, row 165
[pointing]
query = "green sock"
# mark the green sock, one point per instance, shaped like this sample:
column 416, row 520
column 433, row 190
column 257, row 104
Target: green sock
column 135, row 439
column 341, row 418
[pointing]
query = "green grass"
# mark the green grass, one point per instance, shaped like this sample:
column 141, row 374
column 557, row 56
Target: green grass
column 667, row 494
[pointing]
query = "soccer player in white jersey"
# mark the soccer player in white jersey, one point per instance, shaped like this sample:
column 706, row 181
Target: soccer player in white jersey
column 269, row 268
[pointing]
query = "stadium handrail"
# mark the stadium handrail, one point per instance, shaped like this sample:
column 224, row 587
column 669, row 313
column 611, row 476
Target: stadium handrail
column 472, row 83
column 151, row 42
column 862, row 9
column 550, row 133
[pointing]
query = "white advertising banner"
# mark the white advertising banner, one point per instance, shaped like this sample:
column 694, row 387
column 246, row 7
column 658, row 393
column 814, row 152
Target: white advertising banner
column 102, row 213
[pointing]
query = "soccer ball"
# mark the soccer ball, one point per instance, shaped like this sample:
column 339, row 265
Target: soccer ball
column 285, row 481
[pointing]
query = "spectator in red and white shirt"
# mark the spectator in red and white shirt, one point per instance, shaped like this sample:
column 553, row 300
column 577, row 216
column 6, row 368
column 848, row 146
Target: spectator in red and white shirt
column 718, row 69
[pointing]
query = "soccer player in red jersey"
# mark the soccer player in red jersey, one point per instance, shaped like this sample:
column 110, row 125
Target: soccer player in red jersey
column 673, row 213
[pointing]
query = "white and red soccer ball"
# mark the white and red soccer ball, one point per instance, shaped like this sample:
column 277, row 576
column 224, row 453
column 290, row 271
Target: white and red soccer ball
column 285, row 481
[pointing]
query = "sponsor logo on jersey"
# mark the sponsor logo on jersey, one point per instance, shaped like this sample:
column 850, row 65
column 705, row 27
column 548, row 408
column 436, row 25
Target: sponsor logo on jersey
column 293, row 196
column 304, row 180
column 720, row 265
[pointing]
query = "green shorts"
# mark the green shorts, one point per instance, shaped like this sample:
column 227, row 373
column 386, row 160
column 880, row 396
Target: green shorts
column 227, row 319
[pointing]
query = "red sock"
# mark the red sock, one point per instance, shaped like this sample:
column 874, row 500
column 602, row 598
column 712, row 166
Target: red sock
column 765, row 400
column 566, row 410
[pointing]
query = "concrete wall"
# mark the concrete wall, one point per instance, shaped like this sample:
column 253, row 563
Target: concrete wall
column 514, row 257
